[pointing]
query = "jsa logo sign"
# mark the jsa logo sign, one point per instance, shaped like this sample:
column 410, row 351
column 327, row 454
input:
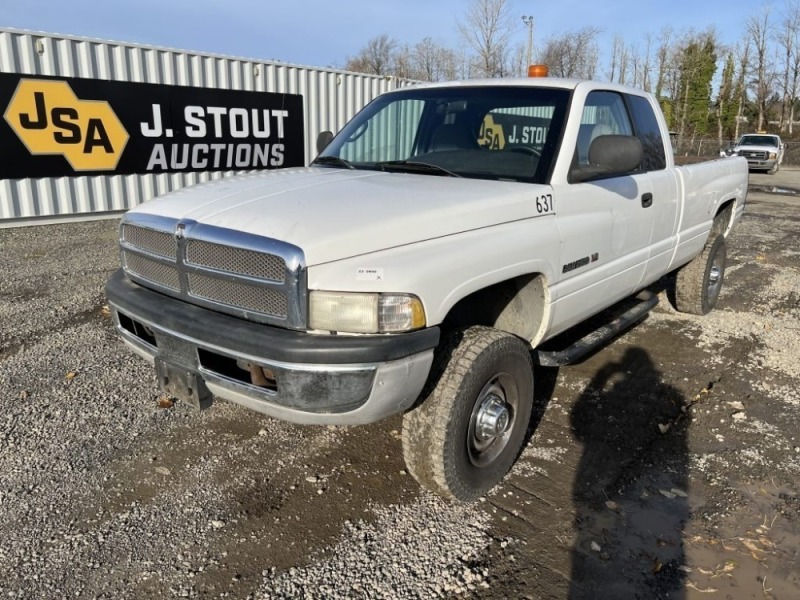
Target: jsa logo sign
column 49, row 119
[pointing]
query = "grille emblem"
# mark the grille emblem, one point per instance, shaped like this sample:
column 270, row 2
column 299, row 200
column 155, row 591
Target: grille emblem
column 180, row 231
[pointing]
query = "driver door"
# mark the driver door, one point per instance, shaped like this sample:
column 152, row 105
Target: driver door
column 605, row 224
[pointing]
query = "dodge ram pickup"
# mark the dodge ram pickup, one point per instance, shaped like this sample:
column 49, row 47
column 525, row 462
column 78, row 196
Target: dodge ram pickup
column 420, row 262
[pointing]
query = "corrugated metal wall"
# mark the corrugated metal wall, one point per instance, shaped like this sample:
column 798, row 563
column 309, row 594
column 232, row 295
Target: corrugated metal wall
column 331, row 98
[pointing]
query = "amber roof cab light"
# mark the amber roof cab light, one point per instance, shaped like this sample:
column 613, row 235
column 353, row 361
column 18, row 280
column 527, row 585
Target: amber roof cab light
column 537, row 71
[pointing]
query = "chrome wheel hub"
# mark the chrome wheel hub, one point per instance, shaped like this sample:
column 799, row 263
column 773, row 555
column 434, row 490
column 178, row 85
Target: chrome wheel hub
column 714, row 279
column 493, row 418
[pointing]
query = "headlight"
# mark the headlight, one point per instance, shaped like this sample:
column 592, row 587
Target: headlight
column 365, row 313
column 773, row 155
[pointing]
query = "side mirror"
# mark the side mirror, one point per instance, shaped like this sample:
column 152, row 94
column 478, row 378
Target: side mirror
column 609, row 155
column 323, row 139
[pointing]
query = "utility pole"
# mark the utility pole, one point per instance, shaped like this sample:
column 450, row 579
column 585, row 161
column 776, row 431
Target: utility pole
column 528, row 20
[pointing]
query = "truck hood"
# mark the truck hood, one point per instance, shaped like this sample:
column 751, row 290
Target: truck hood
column 337, row 213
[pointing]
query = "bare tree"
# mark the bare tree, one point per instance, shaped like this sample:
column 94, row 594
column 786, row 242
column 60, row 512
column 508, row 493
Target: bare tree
column 518, row 61
column 743, row 59
column 758, row 32
column 432, row 61
column 646, row 64
column 376, row 57
column 487, row 29
column 794, row 85
column 787, row 39
column 573, row 54
column 624, row 65
column 635, row 60
column 403, row 63
column 464, row 65
column 617, row 47
column 662, row 59
column 724, row 97
column 426, row 59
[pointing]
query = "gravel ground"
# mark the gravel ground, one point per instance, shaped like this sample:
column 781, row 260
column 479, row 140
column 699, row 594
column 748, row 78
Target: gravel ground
column 665, row 465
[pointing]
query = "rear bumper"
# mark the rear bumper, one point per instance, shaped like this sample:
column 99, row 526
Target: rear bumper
column 315, row 379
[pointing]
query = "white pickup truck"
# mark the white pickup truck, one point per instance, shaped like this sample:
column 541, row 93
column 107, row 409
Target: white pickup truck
column 763, row 151
column 421, row 260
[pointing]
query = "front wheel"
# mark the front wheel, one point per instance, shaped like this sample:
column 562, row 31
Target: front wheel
column 465, row 436
column 698, row 284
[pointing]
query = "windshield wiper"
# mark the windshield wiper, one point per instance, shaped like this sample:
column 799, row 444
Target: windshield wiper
column 414, row 166
column 334, row 161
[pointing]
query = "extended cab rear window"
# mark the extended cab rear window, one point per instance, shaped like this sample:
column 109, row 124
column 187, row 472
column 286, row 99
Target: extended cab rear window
column 500, row 133
column 648, row 132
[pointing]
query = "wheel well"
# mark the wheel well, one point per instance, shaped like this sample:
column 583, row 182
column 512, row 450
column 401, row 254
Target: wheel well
column 517, row 305
column 723, row 218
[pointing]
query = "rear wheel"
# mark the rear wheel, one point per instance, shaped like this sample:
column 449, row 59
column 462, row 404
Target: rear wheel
column 698, row 284
column 463, row 439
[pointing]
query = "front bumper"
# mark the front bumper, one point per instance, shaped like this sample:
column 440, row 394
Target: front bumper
column 314, row 379
column 762, row 164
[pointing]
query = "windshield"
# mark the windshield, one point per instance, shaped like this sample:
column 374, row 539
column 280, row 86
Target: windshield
column 758, row 140
column 501, row 133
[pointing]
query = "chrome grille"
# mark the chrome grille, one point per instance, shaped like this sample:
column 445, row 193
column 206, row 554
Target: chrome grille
column 236, row 260
column 234, row 293
column 156, row 242
column 238, row 273
column 152, row 270
column 754, row 154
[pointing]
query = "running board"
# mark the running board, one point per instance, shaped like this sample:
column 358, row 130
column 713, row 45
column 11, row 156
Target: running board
column 647, row 302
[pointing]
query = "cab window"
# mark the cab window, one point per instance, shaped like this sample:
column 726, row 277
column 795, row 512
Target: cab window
column 603, row 114
column 649, row 133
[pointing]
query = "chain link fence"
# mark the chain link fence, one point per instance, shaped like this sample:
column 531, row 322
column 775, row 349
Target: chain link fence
column 710, row 148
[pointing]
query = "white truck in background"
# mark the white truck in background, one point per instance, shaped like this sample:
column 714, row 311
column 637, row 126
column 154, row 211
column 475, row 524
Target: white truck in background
column 420, row 262
column 763, row 151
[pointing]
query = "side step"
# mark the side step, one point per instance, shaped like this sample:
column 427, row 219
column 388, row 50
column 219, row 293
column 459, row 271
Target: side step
column 647, row 302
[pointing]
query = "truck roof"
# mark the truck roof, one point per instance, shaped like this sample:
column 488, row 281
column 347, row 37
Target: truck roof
column 549, row 82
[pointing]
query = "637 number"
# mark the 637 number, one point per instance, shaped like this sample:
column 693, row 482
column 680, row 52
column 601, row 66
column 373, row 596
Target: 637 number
column 544, row 204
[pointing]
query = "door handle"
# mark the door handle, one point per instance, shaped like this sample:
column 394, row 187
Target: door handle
column 647, row 200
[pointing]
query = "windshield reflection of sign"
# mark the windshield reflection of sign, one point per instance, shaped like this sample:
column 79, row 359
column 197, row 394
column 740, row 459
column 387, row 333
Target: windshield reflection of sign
column 491, row 135
column 494, row 134
column 527, row 135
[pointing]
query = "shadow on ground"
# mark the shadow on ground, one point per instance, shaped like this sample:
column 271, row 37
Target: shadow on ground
column 629, row 512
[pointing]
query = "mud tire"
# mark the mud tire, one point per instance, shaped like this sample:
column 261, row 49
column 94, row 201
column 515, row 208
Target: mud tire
column 698, row 284
column 440, row 447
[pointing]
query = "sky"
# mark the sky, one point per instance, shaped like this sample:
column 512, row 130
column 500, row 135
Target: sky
column 324, row 33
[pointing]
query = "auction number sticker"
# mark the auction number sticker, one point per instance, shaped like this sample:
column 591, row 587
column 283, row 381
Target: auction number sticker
column 369, row 274
column 545, row 204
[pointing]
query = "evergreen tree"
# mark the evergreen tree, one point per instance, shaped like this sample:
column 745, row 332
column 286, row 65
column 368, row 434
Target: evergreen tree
column 697, row 67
